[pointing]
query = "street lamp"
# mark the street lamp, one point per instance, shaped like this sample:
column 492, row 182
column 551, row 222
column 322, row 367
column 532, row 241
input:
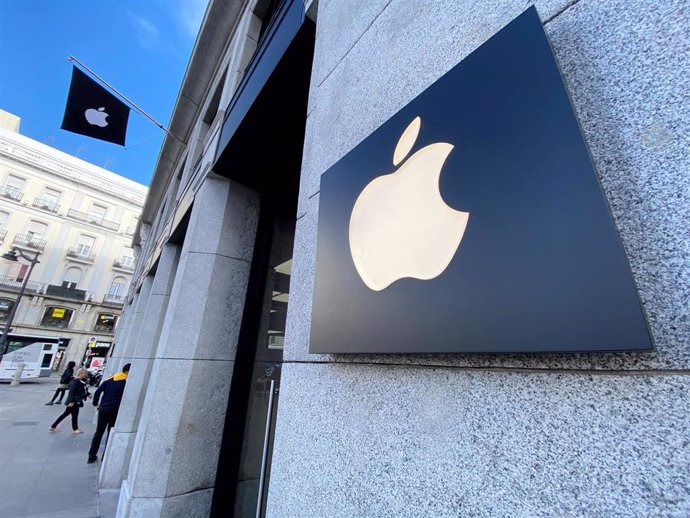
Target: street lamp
column 13, row 256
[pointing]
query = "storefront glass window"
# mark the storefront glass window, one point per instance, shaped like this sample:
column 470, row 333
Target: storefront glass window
column 5, row 308
column 105, row 323
column 56, row 316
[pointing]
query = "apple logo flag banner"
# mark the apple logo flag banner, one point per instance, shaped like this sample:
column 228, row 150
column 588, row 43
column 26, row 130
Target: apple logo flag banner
column 93, row 111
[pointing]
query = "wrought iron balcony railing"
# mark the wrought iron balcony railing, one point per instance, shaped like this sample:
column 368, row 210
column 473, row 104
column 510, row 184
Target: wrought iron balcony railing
column 124, row 263
column 13, row 193
column 81, row 254
column 94, row 219
column 113, row 299
column 11, row 282
column 44, row 204
column 68, row 293
column 29, row 241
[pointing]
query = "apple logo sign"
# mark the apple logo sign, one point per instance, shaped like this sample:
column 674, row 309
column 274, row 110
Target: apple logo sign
column 400, row 226
column 96, row 117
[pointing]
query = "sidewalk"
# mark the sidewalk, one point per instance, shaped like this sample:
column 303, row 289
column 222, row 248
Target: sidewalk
column 44, row 474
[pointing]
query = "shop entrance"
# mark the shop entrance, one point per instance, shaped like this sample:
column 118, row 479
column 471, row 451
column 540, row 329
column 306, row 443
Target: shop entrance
column 265, row 154
column 255, row 387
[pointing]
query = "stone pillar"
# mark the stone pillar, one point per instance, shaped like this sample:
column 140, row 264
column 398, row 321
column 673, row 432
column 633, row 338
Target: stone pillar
column 121, row 333
column 121, row 438
column 175, row 455
column 122, row 326
column 135, row 324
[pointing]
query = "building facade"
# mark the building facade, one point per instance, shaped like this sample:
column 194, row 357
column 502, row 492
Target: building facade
column 80, row 220
column 227, row 413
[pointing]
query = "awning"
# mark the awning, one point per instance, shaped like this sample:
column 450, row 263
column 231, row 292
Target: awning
column 282, row 31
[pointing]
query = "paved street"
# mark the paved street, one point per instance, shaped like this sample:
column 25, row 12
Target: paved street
column 44, row 474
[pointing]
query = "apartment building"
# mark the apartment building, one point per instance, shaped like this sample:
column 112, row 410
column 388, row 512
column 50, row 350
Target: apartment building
column 78, row 221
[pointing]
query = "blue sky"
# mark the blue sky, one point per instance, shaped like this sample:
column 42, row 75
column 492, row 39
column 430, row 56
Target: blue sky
column 140, row 47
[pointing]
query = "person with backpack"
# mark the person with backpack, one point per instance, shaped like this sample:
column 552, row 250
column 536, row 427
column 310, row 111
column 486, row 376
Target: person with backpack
column 107, row 402
column 64, row 384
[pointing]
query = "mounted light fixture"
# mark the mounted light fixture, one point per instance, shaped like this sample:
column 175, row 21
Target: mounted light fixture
column 11, row 256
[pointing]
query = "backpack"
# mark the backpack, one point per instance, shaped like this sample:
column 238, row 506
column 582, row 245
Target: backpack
column 66, row 377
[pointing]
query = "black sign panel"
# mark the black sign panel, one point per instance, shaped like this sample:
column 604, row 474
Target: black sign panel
column 473, row 221
column 93, row 111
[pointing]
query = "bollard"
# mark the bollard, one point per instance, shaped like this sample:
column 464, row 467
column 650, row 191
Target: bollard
column 16, row 379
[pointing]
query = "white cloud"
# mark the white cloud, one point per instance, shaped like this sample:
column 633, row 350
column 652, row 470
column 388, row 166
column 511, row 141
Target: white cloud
column 148, row 33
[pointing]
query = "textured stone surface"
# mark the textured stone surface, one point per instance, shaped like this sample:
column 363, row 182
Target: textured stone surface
column 625, row 67
column 165, row 271
column 129, row 345
column 130, row 407
column 149, row 332
column 176, row 449
column 193, row 505
column 123, row 501
column 122, row 436
column 207, row 298
column 385, row 441
column 228, row 214
column 628, row 81
column 205, row 308
column 298, row 325
column 121, row 332
column 180, row 432
column 372, row 60
column 340, row 26
column 116, row 461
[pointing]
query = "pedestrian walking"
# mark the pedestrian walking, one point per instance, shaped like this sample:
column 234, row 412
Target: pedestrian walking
column 64, row 384
column 76, row 395
column 107, row 402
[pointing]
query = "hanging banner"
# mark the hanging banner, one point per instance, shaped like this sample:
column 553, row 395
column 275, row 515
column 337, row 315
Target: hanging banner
column 93, row 111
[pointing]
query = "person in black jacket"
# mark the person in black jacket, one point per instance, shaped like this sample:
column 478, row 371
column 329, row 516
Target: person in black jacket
column 76, row 395
column 64, row 384
column 107, row 401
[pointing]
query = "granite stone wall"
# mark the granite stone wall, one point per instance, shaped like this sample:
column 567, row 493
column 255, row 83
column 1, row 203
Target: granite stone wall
column 510, row 435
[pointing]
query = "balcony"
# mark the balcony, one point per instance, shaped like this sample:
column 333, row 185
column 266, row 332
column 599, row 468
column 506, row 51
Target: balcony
column 81, row 254
column 68, row 293
column 113, row 299
column 3, row 233
column 50, row 206
column 13, row 193
column 124, row 263
column 29, row 241
column 94, row 219
column 14, row 284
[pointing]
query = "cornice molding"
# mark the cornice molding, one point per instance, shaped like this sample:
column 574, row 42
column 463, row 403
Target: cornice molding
column 41, row 161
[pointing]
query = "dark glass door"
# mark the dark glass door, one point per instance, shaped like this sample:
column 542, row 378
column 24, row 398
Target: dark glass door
column 264, row 389
column 275, row 125
column 245, row 458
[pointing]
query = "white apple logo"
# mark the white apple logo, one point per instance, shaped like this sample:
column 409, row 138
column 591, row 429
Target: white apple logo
column 400, row 226
column 96, row 117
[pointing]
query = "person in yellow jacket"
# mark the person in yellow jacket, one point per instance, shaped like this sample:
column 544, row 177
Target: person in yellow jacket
column 107, row 401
